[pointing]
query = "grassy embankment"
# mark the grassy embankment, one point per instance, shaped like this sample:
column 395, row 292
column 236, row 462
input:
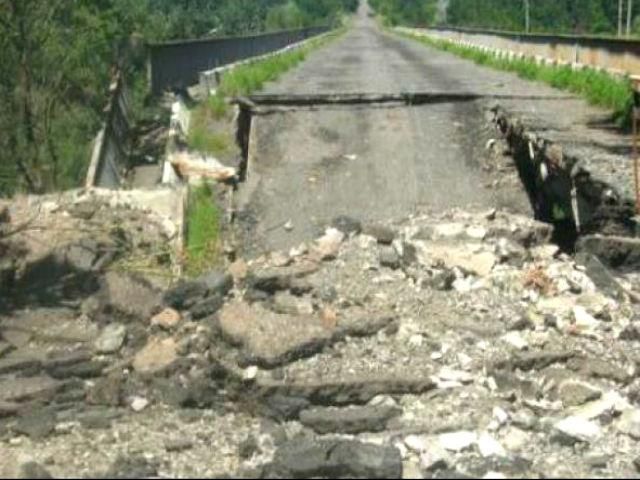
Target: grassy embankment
column 203, row 245
column 597, row 87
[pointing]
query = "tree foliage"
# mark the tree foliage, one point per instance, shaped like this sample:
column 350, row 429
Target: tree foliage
column 58, row 57
column 556, row 16
column 406, row 12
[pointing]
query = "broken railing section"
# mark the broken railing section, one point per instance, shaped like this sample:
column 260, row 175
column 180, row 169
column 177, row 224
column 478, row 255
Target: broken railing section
column 112, row 147
column 561, row 190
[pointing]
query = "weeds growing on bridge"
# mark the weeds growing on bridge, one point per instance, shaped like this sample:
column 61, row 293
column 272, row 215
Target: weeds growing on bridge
column 599, row 88
column 203, row 231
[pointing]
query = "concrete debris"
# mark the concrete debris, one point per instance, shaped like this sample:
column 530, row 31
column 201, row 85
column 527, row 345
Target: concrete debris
column 458, row 441
column 111, row 338
column 196, row 168
column 156, row 356
column 167, row 319
column 576, row 429
column 452, row 344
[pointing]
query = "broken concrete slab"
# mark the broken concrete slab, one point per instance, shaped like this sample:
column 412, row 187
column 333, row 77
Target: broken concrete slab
column 156, row 356
column 271, row 279
column 599, row 274
column 41, row 388
column 20, row 364
column 129, row 295
column 613, row 251
column 272, row 339
column 61, row 325
column 334, row 459
column 465, row 257
column 350, row 420
column 539, row 360
column 347, row 391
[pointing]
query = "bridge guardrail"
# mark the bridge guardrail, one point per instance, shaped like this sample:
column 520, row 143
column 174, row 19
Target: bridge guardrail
column 179, row 64
column 618, row 56
column 113, row 143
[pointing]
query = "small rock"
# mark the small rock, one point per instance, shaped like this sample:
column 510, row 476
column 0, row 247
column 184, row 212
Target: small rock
column 629, row 423
column 433, row 460
column 457, row 441
column 417, row 443
column 167, row 319
column 37, row 425
column 500, row 415
column 490, row 447
column 609, row 404
column 585, row 324
column 178, row 445
column 383, row 235
column 248, row 447
column 477, row 233
column 575, row 429
column 523, row 323
column 389, row 258
column 515, row 340
column 288, row 226
column 597, row 368
column 111, row 339
column 250, row 373
column 156, row 356
column 328, row 246
column 550, row 321
column 574, row 393
column 238, row 270
column 630, row 333
column 515, row 439
column 347, row 225
column 139, row 403
column 207, row 307
column 284, row 302
column 449, row 375
column 597, row 461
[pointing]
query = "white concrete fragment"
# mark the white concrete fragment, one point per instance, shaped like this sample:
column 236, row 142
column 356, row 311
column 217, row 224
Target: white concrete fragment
column 515, row 340
column 490, row 447
column 458, row 441
column 578, row 428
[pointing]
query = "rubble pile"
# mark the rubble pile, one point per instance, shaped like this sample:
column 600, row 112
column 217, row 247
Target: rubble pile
column 444, row 344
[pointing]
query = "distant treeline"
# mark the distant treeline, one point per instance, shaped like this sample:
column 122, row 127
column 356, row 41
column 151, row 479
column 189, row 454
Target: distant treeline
column 57, row 59
column 556, row 16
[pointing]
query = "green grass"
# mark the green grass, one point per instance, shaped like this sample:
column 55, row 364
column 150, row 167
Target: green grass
column 201, row 138
column 242, row 80
column 248, row 78
column 203, row 231
column 597, row 87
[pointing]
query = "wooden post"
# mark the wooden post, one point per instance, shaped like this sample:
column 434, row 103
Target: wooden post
column 629, row 16
column 620, row 9
column 527, row 16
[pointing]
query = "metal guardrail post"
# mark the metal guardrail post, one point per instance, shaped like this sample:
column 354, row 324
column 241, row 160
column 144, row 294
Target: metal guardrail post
column 635, row 81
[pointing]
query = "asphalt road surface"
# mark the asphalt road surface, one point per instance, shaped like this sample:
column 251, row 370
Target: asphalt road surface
column 375, row 162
